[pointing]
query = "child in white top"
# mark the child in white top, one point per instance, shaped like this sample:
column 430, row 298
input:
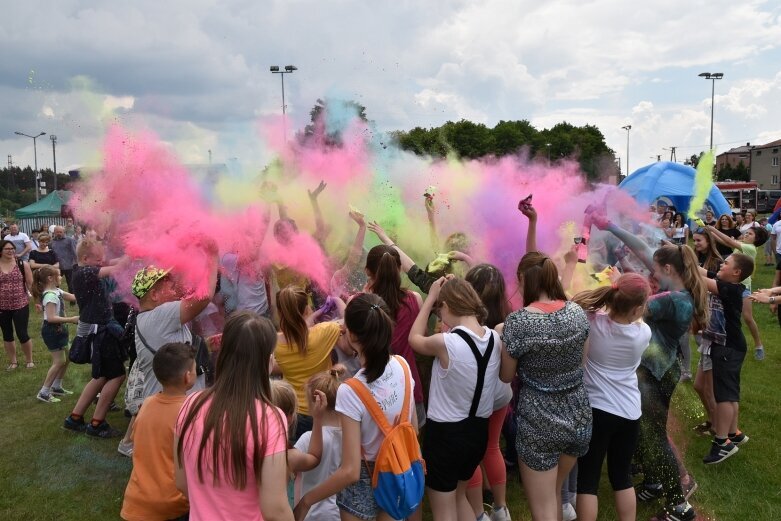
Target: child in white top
column 464, row 383
column 326, row 383
column 283, row 395
column 46, row 288
column 616, row 342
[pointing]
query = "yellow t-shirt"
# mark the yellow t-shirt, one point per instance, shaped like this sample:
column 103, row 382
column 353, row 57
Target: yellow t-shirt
column 297, row 369
column 151, row 493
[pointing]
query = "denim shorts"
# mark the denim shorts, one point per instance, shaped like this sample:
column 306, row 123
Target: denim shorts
column 358, row 498
column 55, row 336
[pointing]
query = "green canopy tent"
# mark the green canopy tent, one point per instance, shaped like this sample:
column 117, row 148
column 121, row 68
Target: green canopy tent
column 46, row 211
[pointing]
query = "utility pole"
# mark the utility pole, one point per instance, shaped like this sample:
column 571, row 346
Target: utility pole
column 54, row 157
column 672, row 154
column 210, row 156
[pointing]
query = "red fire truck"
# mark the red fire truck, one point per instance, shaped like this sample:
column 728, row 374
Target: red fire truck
column 741, row 195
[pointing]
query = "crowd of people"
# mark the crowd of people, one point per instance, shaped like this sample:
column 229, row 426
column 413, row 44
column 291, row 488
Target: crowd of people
column 258, row 399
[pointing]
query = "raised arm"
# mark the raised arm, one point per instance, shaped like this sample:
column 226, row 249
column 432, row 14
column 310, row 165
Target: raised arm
column 406, row 262
column 429, row 345
column 526, row 208
column 726, row 240
column 428, row 201
column 357, row 248
column 644, row 252
column 321, row 230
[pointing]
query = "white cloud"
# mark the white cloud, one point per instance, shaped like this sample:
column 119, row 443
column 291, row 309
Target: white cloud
column 197, row 72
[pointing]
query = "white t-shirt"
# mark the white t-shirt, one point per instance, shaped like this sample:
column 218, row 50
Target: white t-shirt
column 752, row 224
column 777, row 233
column 680, row 233
column 160, row 326
column 20, row 240
column 329, row 462
column 388, row 390
column 52, row 296
column 614, row 352
column 452, row 389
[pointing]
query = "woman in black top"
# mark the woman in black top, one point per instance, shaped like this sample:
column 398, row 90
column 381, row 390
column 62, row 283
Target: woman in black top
column 726, row 226
column 43, row 255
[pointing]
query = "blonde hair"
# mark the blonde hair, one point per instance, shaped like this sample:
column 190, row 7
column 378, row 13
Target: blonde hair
column 284, row 396
column 291, row 304
column 86, row 247
column 328, row 383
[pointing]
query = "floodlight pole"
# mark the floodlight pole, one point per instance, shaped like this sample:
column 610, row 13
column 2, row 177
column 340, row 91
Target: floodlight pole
column 288, row 69
column 627, row 128
column 35, row 153
column 713, row 77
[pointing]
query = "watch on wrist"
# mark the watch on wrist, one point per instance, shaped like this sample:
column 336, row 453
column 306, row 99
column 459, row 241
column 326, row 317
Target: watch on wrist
column 772, row 300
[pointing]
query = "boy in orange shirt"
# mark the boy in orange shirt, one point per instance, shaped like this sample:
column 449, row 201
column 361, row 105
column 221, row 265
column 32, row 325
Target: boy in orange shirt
column 151, row 493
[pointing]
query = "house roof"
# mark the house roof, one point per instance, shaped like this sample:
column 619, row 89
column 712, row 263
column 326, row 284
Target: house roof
column 772, row 144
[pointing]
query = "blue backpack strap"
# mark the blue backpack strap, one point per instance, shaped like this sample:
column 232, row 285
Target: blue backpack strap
column 482, row 366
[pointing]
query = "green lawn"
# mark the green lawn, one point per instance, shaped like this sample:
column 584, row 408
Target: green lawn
column 47, row 473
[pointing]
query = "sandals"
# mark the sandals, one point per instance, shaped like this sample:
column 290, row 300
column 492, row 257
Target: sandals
column 12, row 366
column 30, row 365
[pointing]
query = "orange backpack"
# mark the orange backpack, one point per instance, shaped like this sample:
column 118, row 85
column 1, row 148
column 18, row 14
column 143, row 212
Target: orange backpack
column 399, row 469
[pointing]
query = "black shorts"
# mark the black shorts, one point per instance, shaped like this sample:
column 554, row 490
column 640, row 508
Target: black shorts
column 778, row 261
column 107, row 359
column 727, row 363
column 452, row 451
column 612, row 436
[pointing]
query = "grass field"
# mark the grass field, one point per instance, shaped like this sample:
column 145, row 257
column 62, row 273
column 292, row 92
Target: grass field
column 47, row 473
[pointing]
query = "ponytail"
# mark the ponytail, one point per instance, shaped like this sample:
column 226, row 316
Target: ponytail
column 384, row 266
column 367, row 318
column 628, row 292
column 684, row 262
column 537, row 274
column 328, row 383
column 291, row 304
column 41, row 279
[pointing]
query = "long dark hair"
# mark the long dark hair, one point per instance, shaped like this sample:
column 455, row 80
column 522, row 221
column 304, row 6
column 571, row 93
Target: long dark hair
column 241, row 381
column 384, row 266
column 367, row 317
column 488, row 282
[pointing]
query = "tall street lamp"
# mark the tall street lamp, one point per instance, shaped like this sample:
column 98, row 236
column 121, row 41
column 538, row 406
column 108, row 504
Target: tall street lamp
column 35, row 152
column 627, row 128
column 713, row 76
column 54, row 157
column 287, row 70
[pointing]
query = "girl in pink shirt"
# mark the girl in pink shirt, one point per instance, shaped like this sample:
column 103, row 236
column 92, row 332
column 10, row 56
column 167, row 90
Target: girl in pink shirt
column 230, row 446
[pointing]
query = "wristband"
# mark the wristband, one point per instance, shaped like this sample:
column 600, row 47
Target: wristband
column 772, row 300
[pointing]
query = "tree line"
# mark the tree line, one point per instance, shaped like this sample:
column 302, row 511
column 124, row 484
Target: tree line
column 17, row 187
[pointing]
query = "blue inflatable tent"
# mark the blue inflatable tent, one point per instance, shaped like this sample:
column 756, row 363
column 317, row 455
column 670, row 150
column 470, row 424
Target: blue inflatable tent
column 669, row 183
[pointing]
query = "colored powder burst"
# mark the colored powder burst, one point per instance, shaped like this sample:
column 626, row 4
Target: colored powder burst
column 157, row 210
column 703, row 182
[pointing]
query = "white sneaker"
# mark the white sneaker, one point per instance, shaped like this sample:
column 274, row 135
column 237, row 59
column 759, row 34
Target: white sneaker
column 500, row 514
column 568, row 513
column 483, row 517
column 126, row 449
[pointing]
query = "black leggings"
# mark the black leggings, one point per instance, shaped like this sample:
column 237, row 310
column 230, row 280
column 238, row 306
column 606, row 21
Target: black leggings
column 15, row 319
column 654, row 451
column 615, row 437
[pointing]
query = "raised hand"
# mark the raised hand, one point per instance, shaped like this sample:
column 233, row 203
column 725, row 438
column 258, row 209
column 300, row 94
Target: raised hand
column 317, row 191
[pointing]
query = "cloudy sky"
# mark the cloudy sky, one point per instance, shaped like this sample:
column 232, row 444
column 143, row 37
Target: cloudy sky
column 197, row 72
